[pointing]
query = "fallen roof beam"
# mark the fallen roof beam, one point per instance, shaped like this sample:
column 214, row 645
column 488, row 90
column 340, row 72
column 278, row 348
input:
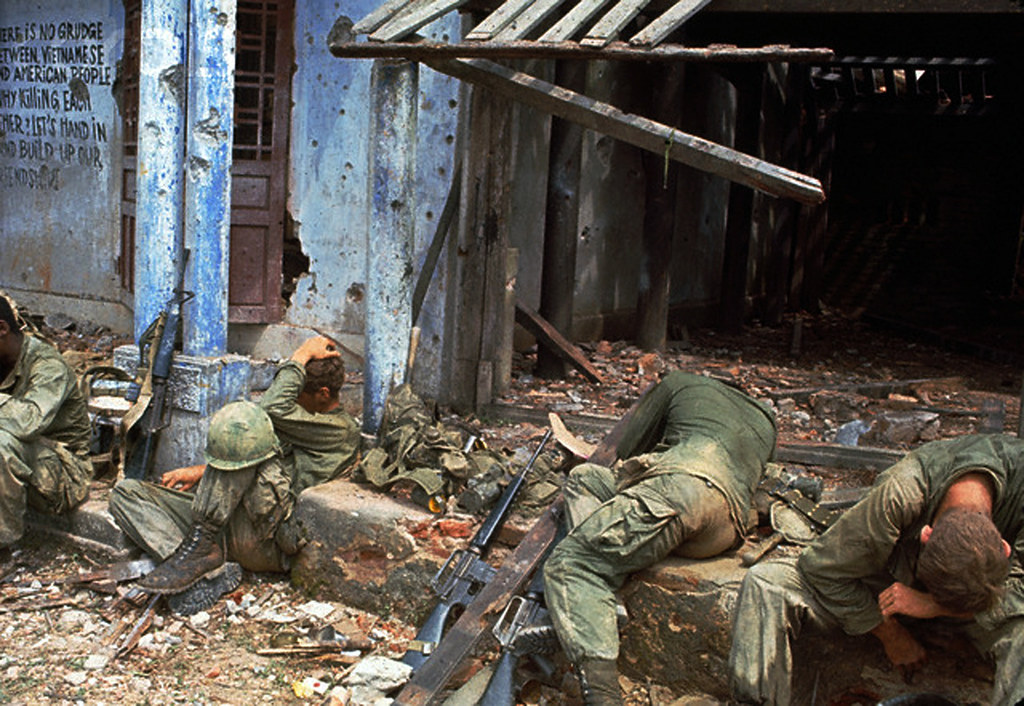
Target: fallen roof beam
column 552, row 338
column 526, row 49
column 636, row 130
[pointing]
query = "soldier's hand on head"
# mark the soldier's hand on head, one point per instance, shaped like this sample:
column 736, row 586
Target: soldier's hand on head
column 183, row 479
column 315, row 348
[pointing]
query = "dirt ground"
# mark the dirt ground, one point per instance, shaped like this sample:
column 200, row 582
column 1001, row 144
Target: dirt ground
column 59, row 639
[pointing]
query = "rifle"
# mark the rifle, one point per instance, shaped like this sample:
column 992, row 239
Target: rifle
column 465, row 573
column 508, row 580
column 141, row 453
column 520, row 612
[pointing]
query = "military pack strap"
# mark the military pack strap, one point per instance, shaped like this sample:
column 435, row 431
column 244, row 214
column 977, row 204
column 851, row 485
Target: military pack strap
column 822, row 517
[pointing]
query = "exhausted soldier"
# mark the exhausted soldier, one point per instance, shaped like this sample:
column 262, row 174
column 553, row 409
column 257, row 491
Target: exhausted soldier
column 44, row 429
column 258, row 459
column 938, row 536
column 695, row 451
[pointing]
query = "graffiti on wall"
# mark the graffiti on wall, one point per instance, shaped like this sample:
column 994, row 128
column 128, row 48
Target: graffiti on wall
column 49, row 72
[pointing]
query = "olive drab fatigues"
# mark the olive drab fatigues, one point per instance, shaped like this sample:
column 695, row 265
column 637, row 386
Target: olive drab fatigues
column 44, row 438
column 691, row 495
column 253, row 504
column 834, row 583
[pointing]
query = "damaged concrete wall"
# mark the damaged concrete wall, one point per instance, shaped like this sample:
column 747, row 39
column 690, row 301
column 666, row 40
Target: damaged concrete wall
column 60, row 157
column 329, row 194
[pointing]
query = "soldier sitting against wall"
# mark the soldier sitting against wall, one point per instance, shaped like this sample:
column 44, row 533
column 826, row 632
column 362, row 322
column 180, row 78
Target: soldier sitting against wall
column 703, row 450
column 258, row 459
column 44, row 429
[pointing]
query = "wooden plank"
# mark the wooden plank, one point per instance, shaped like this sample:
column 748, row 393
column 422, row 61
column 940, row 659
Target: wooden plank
column 860, row 458
column 451, row 207
column 423, row 50
column 528, row 20
column 636, row 130
column 497, row 20
column 414, row 16
column 549, row 336
column 668, row 22
column 608, row 27
column 572, row 22
column 866, row 6
column 875, row 390
column 384, row 12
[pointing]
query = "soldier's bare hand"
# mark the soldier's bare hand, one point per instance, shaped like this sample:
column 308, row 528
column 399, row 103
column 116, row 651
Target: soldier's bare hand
column 183, row 479
column 904, row 652
column 315, row 348
column 900, row 599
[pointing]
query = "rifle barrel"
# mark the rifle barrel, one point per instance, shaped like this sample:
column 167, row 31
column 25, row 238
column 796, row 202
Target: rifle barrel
column 484, row 535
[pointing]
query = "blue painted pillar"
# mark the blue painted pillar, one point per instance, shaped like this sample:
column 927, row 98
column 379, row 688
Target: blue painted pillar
column 211, row 96
column 389, row 265
column 160, row 185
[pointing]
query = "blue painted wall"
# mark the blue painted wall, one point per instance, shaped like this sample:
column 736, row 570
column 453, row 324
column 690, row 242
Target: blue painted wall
column 60, row 157
column 329, row 194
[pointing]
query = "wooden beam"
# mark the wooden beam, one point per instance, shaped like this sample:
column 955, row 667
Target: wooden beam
column 498, row 20
column 667, row 23
column 414, row 16
column 550, row 336
column 381, row 14
column 425, row 50
column 837, row 456
column 530, row 18
column 636, row 130
column 609, row 26
column 572, row 22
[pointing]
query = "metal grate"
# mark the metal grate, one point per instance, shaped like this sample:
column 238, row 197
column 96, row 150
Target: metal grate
column 254, row 80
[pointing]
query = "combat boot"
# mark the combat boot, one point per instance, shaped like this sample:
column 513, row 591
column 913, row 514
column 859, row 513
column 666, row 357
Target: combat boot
column 199, row 555
column 206, row 591
column 599, row 682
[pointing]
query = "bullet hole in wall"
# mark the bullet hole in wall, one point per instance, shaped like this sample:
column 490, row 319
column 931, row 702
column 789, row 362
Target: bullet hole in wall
column 294, row 262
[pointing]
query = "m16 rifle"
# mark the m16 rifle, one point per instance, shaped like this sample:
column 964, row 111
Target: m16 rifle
column 466, row 572
column 147, row 418
column 521, row 612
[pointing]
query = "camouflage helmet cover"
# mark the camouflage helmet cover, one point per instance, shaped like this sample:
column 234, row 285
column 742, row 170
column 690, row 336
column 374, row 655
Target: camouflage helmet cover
column 241, row 435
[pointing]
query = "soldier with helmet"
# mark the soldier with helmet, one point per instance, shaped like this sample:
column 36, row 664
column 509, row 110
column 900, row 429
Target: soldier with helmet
column 259, row 457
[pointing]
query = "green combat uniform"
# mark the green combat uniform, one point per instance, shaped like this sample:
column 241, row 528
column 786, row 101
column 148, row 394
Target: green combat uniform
column 251, row 504
column 835, row 582
column 691, row 495
column 44, row 438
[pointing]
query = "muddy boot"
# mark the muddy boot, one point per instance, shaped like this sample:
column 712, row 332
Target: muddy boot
column 199, row 555
column 599, row 682
column 206, row 591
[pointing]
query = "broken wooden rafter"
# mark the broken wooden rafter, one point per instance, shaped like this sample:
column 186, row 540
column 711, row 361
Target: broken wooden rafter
column 411, row 17
column 506, row 13
column 528, row 20
column 550, row 337
column 608, row 27
column 502, row 48
column 572, row 22
column 636, row 130
column 667, row 22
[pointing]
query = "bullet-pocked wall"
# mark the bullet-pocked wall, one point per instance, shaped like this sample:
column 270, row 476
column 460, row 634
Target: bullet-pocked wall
column 329, row 198
column 60, row 157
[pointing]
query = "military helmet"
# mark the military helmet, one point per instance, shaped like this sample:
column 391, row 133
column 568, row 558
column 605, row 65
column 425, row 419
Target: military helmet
column 241, row 435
